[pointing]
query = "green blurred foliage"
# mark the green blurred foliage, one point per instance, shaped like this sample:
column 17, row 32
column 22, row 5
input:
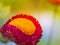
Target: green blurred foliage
column 3, row 39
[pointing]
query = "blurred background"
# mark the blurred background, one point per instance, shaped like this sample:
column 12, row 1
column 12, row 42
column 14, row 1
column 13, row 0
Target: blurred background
column 46, row 13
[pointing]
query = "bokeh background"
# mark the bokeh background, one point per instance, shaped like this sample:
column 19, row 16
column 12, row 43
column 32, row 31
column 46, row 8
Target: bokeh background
column 42, row 10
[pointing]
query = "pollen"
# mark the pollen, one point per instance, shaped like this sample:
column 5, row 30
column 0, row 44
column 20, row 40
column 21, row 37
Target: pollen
column 25, row 25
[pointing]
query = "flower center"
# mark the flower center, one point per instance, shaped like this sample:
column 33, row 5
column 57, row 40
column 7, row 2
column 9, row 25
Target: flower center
column 25, row 25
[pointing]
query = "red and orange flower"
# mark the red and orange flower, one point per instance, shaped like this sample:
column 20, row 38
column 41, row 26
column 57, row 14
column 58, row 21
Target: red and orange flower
column 57, row 2
column 22, row 29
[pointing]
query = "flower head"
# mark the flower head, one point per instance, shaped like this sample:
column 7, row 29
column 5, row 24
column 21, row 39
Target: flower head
column 22, row 29
column 57, row 2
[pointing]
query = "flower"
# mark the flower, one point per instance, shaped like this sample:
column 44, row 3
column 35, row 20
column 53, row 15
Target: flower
column 57, row 2
column 22, row 29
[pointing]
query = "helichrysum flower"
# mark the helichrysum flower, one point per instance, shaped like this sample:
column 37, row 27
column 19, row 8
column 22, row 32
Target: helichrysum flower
column 55, row 2
column 22, row 29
